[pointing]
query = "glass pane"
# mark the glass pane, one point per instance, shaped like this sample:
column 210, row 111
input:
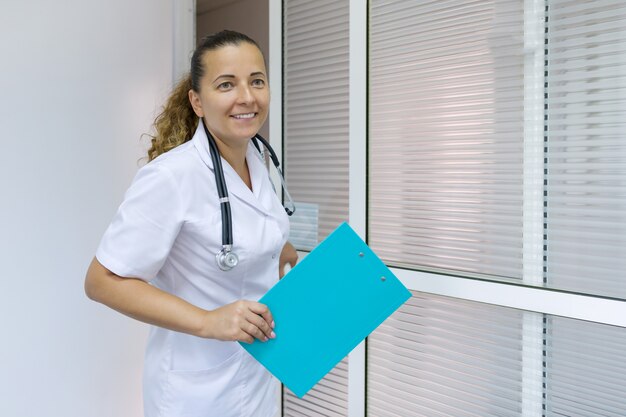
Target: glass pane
column 446, row 135
column 315, row 107
column 328, row 398
column 585, row 369
column 439, row 356
column 585, row 227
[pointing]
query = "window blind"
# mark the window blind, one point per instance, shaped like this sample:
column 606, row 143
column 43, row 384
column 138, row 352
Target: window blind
column 446, row 135
column 585, row 226
column 586, row 369
column 440, row 357
column 315, row 114
column 329, row 398
column 315, row 107
column 446, row 193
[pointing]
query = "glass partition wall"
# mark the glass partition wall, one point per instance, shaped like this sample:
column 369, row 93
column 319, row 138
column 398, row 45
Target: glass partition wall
column 496, row 190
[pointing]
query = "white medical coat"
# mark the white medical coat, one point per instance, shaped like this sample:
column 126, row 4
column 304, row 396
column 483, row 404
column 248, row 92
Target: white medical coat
column 167, row 231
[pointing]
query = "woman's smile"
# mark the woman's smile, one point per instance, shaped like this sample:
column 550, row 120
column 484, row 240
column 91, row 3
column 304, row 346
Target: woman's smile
column 244, row 116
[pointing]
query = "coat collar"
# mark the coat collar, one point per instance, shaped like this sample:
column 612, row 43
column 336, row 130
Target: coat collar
column 234, row 183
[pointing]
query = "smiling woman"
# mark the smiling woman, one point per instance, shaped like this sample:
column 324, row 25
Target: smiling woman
column 167, row 233
column 216, row 59
column 233, row 97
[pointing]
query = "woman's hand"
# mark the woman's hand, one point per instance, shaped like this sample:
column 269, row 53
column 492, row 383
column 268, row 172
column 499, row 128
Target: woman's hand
column 241, row 321
column 288, row 255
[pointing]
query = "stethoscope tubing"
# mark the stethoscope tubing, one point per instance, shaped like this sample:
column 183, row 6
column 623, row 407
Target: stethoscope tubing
column 226, row 258
column 222, row 191
column 274, row 158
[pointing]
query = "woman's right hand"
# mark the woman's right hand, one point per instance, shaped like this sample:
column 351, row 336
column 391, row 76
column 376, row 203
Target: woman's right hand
column 241, row 321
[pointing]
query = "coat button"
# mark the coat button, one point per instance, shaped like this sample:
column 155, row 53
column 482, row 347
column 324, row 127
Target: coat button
column 274, row 256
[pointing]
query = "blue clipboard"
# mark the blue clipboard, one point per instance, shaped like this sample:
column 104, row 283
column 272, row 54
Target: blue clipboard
column 324, row 307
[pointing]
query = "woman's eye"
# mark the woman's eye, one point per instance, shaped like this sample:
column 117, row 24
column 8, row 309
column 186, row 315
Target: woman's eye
column 258, row 83
column 225, row 85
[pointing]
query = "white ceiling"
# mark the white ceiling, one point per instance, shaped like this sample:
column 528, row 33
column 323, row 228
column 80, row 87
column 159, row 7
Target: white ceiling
column 203, row 6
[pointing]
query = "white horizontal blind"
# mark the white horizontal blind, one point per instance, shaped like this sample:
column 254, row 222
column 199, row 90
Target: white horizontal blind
column 316, row 106
column 315, row 114
column 586, row 369
column 328, row 398
column 586, row 146
column 446, row 135
column 439, row 357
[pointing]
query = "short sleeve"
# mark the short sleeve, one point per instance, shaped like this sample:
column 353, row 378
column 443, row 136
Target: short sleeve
column 140, row 237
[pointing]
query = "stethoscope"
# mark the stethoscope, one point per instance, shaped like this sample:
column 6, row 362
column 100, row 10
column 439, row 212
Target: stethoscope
column 226, row 258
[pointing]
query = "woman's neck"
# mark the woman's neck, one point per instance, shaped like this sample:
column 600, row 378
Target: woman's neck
column 236, row 158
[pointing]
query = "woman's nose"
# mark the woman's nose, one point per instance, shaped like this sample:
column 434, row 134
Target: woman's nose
column 245, row 95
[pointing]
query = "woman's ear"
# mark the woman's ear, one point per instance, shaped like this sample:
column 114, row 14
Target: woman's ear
column 196, row 104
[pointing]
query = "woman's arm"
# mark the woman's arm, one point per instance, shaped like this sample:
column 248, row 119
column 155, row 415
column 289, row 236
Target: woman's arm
column 238, row 321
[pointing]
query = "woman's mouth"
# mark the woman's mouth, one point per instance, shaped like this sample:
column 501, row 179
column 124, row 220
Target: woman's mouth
column 243, row 116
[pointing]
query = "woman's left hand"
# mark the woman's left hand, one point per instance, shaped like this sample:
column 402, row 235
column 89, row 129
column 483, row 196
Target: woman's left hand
column 288, row 255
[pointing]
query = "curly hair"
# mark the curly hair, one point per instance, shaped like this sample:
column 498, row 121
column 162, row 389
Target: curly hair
column 177, row 122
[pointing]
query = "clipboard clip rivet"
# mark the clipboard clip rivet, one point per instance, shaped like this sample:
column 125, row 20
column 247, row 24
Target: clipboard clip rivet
column 383, row 279
column 361, row 254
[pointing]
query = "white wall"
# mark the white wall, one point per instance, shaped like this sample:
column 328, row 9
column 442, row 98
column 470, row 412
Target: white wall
column 80, row 81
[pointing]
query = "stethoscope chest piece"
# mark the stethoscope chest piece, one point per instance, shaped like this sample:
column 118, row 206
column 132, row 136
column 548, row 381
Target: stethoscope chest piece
column 226, row 260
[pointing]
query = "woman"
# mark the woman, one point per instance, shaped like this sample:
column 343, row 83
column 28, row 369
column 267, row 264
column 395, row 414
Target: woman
column 157, row 260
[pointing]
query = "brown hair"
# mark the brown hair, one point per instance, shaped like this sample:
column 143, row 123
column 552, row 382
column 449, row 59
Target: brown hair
column 177, row 122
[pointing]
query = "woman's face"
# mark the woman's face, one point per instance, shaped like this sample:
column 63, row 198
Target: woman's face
column 234, row 95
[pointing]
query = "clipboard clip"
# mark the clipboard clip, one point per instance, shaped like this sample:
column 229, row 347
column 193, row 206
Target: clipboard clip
column 382, row 278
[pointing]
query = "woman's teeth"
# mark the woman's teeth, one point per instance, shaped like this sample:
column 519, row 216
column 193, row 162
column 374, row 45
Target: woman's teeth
column 244, row 116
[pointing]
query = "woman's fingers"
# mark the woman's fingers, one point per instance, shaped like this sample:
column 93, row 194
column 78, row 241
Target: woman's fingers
column 252, row 332
column 245, row 337
column 263, row 311
column 243, row 321
column 265, row 331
